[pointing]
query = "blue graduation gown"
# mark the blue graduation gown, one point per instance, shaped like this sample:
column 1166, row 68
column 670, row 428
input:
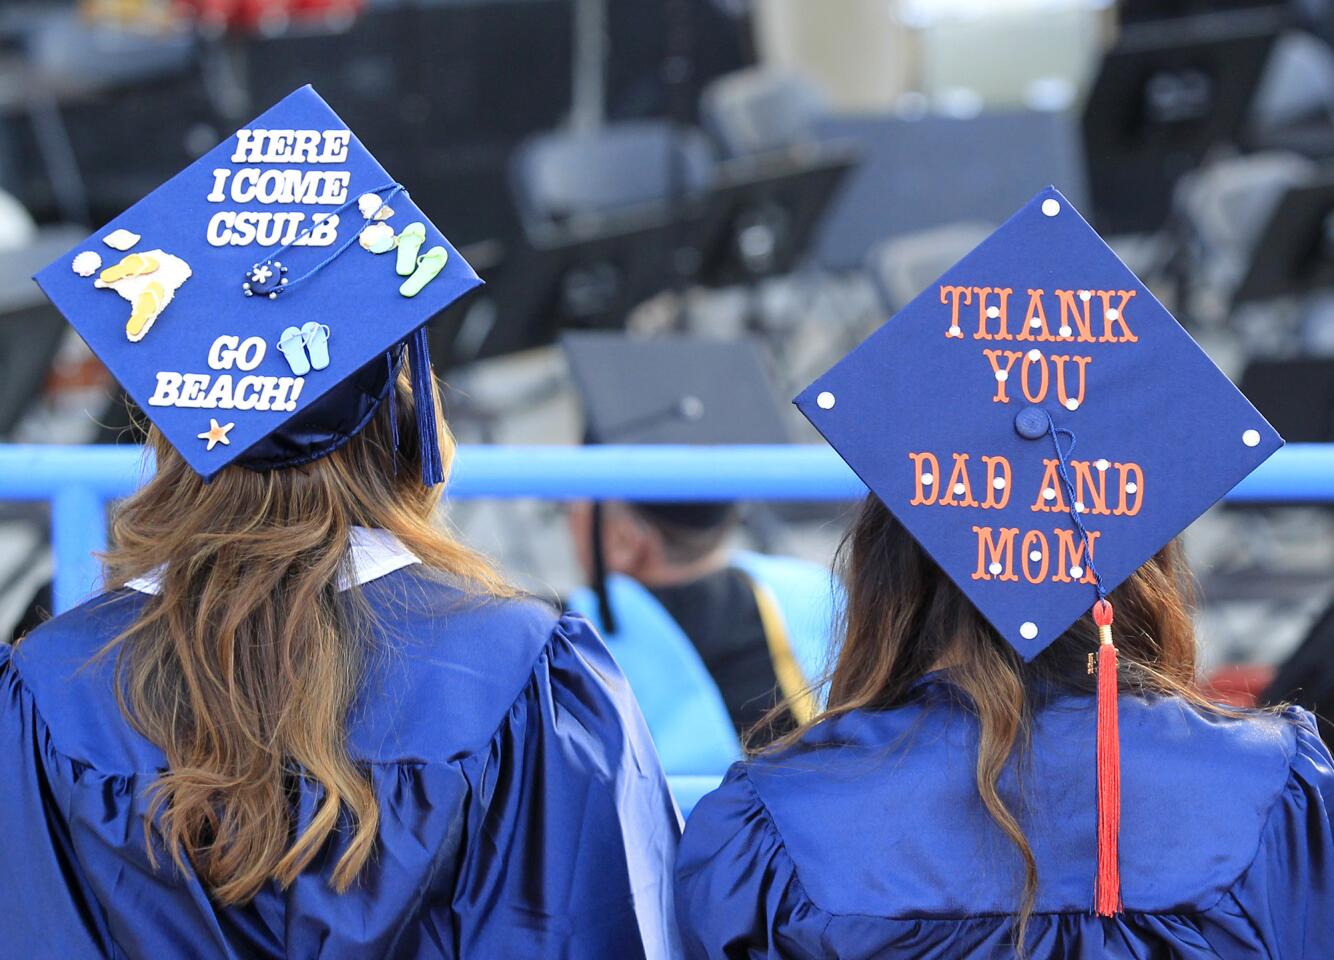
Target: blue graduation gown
column 524, row 811
column 869, row 841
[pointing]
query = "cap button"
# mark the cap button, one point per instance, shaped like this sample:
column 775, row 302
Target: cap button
column 1031, row 423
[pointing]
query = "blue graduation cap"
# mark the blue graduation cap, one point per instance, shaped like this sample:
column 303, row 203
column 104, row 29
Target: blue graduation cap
column 1039, row 422
column 258, row 305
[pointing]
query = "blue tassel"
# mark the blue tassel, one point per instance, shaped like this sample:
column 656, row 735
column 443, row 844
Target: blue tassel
column 423, row 390
column 393, row 404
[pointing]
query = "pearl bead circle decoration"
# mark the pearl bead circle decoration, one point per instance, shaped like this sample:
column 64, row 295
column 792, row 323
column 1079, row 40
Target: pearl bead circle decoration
column 994, row 569
column 998, row 483
column 1051, row 206
column 1035, row 556
column 1251, row 438
column 928, row 479
column 1049, row 493
column 1076, row 571
column 1072, row 404
column 959, row 489
column 1035, row 354
column 993, row 312
column 825, row 401
column 1028, row 629
column 1132, row 487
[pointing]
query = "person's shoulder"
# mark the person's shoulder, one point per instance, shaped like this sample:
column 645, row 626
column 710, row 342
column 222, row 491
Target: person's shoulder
column 63, row 666
column 447, row 664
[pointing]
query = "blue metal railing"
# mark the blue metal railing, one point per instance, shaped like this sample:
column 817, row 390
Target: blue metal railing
column 79, row 481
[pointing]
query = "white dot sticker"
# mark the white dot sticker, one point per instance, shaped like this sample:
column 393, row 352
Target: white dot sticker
column 1113, row 313
column 1049, row 494
column 1071, row 404
column 928, row 479
column 1101, row 464
column 993, row 312
column 1132, row 487
column 1035, row 354
column 1002, row 375
column 1028, row 629
column 1065, row 331
column 1076, row 571
column 1035, row 556
column 825, row 401
column 1086, row 295
column 994, row 569
column 959, row 488
column 1251, row 438
column 998, row 483
column 1051, row 206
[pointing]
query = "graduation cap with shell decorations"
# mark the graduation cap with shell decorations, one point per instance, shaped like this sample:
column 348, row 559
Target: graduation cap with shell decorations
column 1042, row 426
column 258, row 305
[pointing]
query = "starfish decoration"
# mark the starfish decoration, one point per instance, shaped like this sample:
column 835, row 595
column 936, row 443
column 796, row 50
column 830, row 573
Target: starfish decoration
column 216, row 434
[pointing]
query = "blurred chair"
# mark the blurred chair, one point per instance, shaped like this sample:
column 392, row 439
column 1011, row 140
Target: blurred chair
column 560, row 175
column 1225, row 206
column 1294, row 104
column 761, row 109
column 903, row 267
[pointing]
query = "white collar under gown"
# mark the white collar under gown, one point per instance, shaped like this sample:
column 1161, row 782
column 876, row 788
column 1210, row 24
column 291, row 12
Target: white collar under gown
column 869, row 841
column 524, row 812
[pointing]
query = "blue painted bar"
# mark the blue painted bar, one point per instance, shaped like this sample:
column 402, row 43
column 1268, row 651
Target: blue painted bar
column 79, row 480
column 1300, row 473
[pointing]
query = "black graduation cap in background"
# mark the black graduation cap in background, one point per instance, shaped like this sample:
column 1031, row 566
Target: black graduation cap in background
column 671, row 390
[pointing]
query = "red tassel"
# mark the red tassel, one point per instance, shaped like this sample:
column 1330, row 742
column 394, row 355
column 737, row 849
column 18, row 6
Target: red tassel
column 1108, row 889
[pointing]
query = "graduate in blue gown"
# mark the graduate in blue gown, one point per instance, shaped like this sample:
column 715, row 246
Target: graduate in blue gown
column 301, row 720
column 709, row 637
column 1014, row 760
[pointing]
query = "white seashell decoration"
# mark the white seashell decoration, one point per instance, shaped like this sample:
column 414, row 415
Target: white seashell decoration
column 368, row 204
column 121, row 239
column 86, row 263
column 377, row 238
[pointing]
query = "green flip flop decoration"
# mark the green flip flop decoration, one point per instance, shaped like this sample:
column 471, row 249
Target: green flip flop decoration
column 409, row 245
column 429, row 265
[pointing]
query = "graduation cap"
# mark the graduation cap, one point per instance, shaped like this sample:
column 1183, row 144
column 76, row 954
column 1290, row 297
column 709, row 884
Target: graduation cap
column 257, row 305
column 1042, row 426
column 670, row 390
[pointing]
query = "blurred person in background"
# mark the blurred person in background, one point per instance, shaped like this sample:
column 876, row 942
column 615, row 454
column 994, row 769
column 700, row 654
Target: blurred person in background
column 1014, row 758
column 302, row 719
column 1307, row 676
column 710, row 637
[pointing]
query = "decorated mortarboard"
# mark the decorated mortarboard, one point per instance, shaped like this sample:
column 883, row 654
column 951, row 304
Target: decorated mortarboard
column 257, row 305
column 1042, row 426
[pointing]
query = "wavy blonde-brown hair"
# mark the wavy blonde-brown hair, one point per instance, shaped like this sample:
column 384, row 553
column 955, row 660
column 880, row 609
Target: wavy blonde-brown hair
column 245, row 665
column 904, row 618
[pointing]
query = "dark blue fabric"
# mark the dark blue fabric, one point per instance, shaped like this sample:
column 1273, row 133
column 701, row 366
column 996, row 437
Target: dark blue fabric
column 869, row 841
column 524, row 810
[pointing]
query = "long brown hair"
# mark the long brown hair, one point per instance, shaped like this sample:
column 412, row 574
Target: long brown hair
column 245, row 664
column 904, row 617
